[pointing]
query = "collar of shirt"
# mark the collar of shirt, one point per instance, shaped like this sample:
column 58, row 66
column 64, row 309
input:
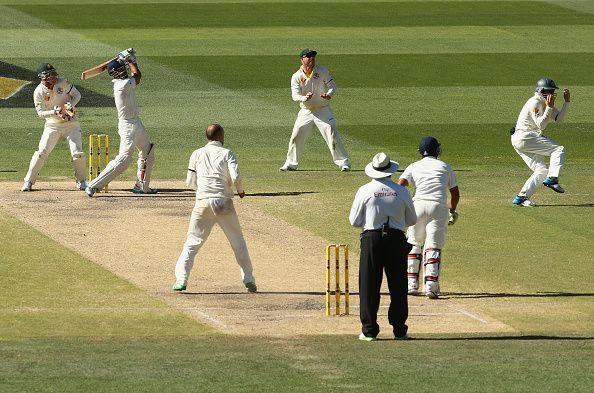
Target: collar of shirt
column 215, row 143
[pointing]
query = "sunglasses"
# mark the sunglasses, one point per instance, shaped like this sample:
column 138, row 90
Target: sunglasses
column 309, row 55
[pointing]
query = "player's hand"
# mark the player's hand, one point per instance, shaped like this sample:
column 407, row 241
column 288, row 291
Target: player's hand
column 453, row 217
column 308, row 96
column 326, row 96
column 566, row 95
column 127, row 56
column 550, row 100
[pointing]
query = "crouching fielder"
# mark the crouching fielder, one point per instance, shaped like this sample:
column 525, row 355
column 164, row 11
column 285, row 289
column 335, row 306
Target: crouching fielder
column 55, row 99
column 130, row 128
column 212, row 172
column 431, row 179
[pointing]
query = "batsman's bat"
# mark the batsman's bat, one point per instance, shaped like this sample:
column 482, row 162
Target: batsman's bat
column 91, row 72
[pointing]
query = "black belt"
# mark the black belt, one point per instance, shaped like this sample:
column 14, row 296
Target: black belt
column 390, row 230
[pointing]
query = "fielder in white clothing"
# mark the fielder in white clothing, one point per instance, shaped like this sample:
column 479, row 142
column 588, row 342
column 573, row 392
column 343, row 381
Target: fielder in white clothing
column 55, row 99
column 431, row 178
column 313, row 87
column 130, row 128
column 212, row 172
column 529, row 142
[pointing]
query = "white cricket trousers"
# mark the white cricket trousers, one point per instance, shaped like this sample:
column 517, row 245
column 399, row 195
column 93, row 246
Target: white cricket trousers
column 132, row 135
column 202, row 220
column 533, row 149
column 52, row 132
column 323, row 119
column 431, row 227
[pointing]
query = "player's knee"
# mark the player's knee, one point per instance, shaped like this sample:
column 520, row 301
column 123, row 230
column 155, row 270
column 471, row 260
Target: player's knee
column 123, row 159
column 78, row 155
column 42, row 154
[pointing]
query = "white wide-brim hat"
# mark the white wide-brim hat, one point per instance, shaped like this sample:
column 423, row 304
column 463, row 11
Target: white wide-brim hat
column 381, row 166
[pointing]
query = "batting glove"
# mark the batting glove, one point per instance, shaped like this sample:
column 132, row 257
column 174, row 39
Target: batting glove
column 453, row 217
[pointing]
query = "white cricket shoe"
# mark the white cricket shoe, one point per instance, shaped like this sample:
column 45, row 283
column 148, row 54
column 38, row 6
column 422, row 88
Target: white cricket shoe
column 27, row 186
column 287, row 168
column 81, row 185
column 138, row 190
column 345, row 168
column 90, row 191
column 432, row 289
column 413, row 286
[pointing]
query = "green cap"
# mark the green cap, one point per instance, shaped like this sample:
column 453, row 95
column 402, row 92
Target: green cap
column 46, row 69
column 307, row 51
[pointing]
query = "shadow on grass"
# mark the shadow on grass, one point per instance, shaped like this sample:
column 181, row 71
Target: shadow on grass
column 576, row 205
column 500, row 338
column 503, row 294
column 282, row 193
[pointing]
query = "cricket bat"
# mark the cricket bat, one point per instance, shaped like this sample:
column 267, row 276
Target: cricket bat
column 92, row 72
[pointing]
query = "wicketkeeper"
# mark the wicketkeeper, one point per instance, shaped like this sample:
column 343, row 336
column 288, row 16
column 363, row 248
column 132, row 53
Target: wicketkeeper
column 55, row 99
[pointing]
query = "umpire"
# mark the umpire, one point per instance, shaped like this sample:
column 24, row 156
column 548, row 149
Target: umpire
column 383, row 209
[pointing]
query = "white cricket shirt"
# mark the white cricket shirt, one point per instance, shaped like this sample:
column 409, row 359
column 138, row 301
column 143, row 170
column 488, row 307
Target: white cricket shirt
column 318, row 82
column 212, row 171
column 125, row 99
column 431, row 178
column 536, row 115
column 46, row 99
column 381, row 201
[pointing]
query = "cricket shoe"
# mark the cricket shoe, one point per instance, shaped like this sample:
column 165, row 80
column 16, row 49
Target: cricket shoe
column 413, row 286
column 27, row 186
column 553, row 184
column 90, row 191
column 521, row 200
column 345, row 168
column 81, row 185
column 179, row 287
column 363, row 337
column 432, row 290
column 402, row 338
column 138, row 190
column 287, row 168
column 251, row 287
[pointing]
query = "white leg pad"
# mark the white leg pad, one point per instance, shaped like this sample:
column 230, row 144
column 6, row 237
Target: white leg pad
column 431, row 264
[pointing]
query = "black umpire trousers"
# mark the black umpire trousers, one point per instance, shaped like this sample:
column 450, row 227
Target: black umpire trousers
column 381, row 253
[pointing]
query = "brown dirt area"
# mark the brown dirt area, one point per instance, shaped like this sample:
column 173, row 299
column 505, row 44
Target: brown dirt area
column 139, row 237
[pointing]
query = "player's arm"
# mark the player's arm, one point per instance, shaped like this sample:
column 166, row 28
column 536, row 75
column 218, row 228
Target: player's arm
column 43, row 114
column 191, row 178
column 330, row 87
column 410, row 214
column 233, row 167
column 296, row 90
column 559, row 115
column 74, row 94
column 541, row 118
column 454, row 198
column 135, row 71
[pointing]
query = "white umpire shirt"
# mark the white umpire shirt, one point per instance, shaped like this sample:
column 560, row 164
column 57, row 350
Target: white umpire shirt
column 431, row 178
column 381, row 201
column 536, row 115
column 319, row 82
column 212, row 172
column 125, row 99
column 46, row 99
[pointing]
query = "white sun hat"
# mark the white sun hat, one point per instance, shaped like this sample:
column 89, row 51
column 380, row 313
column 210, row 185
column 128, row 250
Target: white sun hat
column 381, row 166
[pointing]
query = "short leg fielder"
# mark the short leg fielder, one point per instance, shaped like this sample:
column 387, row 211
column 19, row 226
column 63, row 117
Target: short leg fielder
column 324, row 120
column 201, row 223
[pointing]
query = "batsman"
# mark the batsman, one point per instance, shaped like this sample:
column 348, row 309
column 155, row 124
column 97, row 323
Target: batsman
column 132, row 132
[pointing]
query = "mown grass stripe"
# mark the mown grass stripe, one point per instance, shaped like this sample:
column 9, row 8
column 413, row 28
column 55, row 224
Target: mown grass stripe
column 357, row 14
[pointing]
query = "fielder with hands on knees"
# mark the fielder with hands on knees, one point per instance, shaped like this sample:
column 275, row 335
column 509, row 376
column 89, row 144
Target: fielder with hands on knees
column 431, row 179
column 131, row 130
column 383, row 209
column 55, row 99
column 212, row 172
column 313, row 87
column 529, row 142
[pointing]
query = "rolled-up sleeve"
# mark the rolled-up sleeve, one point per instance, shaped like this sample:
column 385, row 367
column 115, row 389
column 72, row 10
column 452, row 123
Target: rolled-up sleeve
column 357, row 214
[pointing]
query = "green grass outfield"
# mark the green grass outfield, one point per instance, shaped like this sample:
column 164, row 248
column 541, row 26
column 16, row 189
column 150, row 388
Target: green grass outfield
column 459, row 70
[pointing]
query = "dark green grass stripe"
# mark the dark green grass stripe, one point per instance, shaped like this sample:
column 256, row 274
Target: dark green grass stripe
column 378, row 14
column 463, row 69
